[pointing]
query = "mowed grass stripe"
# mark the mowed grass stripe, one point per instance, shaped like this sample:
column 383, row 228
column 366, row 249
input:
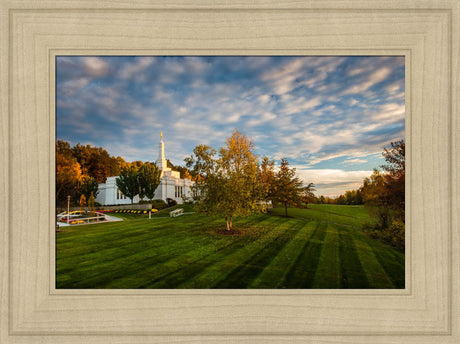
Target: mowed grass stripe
column 163, row 233
column 352, row 273
column 177, row 276
column 275, row 273
column 392, row 262
column 142, row 255
column 109, row 268
column 129, row 244
column 219, row 270
column 242, row 276
column 132, row 235
column 170, row 273
column 328, row 274
column 375, row 273
column 142, row 272
column 98, row 235
column 302, row 273
column 320, row 216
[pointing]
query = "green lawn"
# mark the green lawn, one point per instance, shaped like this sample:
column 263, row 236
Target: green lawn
column 321, row 247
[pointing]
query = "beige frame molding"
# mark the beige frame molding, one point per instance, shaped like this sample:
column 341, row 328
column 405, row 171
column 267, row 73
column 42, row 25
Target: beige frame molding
column 34, row 32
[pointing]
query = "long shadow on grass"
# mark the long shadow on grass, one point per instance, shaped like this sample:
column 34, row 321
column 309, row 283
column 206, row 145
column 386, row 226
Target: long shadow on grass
column 393, row 264
column 88, row 242
column 353, row 275
column 302, row 273
column 92, row 262
column 243, row 276
column 131, row 243
column 178, row 276
column 170, row 250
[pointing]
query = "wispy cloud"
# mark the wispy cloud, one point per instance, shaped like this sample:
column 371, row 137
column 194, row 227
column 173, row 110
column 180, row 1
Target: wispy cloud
column 138, row 66
column 96, row 66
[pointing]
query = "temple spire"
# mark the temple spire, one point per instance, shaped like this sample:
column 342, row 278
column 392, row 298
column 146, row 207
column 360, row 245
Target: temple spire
column 161, row 162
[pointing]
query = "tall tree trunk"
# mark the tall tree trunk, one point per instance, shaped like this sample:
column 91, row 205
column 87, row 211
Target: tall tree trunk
column 285, row 209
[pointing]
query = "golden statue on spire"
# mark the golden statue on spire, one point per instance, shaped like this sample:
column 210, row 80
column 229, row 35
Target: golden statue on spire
column 161, row 134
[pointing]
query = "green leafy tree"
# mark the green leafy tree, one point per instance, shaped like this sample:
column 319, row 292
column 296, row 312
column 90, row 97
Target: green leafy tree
column 128, row 182
column 149, row 179
column 288, row 187
column 228, row 184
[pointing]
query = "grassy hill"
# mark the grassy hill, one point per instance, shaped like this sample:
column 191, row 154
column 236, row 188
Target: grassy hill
column 321, row 247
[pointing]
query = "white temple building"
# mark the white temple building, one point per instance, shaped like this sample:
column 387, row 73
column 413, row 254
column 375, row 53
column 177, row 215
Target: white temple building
column 171, row 185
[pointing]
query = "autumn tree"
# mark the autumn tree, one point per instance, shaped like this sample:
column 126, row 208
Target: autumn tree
column 128, row 182
column 96, row 162
column 385, row 190
column 89, row 185
column 266, row 178
column 68, row 173
column 228, row 184
column 308, row 195
column 91, row 203
column 395, row 177
column 82, row 202
column 149, row 179
column 376, row 197
column 288, row 187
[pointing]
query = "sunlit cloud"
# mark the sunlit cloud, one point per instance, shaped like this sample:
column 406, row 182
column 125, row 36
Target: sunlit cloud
column 96, row 66
column 138, row 66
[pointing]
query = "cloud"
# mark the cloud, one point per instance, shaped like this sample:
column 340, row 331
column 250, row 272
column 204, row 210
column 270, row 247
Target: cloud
column 354, row 161
column 71, row 86
column 139, row 65
column 96, row 66
column 260, row 120
column 374, row 78
column 332, row 182
column 300, row 105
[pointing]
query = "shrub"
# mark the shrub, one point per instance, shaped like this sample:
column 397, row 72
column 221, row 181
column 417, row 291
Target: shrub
column 159, row 204
column 395, row 235
column 171, row 202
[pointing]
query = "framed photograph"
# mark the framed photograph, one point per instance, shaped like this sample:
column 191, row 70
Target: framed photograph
column 241, row 172
column 42, row 40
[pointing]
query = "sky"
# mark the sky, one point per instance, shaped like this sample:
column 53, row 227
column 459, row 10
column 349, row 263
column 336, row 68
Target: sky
column 330, row 116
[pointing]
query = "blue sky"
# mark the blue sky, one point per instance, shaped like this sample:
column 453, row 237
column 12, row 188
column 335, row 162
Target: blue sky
column 330, row 116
